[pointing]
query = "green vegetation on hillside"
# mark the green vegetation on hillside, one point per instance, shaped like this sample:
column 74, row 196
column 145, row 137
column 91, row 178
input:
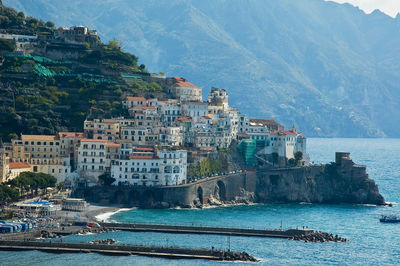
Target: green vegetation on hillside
column 43, row 94
column 16, row 21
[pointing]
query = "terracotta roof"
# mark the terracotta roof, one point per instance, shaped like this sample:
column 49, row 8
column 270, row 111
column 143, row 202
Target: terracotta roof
column 16, row 165
column 143, row 157
column 144, row 107
column 38, row 137
column 184, row 118
column 71, row 134
column 112, row 144
column 93, row 140
column 135, row 99
column 144, row 149
column 181, row 82
column 284, row 133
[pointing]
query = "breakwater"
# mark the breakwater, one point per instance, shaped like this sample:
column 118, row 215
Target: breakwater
column 125, row 250
column 292, row 234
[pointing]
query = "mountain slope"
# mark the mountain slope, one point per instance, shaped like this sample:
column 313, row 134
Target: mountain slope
column 329, row 68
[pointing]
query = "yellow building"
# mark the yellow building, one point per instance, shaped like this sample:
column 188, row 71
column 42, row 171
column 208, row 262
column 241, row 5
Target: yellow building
column 43, row 153
column 107, row 127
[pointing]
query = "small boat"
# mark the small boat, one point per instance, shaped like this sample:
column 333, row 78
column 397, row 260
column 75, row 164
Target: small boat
column 389, row 219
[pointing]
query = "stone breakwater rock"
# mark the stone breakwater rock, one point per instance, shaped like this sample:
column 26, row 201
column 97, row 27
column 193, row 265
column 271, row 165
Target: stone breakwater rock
column 108, row 241
column 47, row 234
column 318, row 237
column 238, row 256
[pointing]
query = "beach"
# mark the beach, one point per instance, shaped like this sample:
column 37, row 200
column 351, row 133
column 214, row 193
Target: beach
column 105, row 214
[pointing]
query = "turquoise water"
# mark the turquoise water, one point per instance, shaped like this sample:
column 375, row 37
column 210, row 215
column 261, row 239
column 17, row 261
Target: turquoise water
column 371, row 243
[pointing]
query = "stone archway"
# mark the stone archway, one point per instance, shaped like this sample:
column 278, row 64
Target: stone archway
column 119, row 197
column 200, row 194
column 147, row 199
column 134, row 198
column 221, row 190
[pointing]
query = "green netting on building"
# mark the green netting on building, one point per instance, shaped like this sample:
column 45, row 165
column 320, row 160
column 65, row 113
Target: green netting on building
column 43, row 71
column 248, row 149
column 39, row 59
column 130, row 77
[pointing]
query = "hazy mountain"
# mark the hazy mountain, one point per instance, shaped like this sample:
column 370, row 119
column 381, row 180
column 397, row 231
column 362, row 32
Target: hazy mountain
column 329, row 68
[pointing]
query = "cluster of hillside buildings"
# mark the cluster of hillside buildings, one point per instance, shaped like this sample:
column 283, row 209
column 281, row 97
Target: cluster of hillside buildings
column 75, row 35
column 151, row 147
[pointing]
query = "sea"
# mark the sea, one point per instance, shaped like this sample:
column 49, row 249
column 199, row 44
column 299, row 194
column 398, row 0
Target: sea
column 370, row 242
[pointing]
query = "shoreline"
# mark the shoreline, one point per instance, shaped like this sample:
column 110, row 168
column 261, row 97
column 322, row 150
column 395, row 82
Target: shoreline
column 105, row 216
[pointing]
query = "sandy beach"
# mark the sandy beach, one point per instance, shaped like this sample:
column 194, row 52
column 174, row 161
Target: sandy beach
column 93, row 212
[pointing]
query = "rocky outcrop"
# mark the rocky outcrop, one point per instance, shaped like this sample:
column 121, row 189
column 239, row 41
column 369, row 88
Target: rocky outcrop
column 339, row 182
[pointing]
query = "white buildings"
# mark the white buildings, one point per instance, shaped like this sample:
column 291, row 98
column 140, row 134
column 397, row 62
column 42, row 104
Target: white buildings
column 148, row 168
column 15, row 169
column 286, row 144
column 218, row 101
column 138, row 170
column 95, row 156
column 185, row 91
column 172, row 136
column 173, row 166
column 196, row 110
column 23, row 43
column 170, row 111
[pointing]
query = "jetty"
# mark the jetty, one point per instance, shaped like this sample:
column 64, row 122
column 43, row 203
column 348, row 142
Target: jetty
column 307, row 235
column 182, row 229
column 124, row 250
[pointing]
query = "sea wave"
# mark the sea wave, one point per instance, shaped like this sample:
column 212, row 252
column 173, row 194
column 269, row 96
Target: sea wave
column 105, row 217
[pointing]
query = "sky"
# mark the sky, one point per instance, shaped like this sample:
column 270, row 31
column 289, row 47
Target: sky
column 390, row 7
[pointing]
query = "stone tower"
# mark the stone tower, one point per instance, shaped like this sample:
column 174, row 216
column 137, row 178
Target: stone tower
column 218, row 97
column 4, row 163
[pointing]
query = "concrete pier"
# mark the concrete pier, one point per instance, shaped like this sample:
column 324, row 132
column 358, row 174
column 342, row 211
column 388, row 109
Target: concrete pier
column 118, row 250
column 180, row 229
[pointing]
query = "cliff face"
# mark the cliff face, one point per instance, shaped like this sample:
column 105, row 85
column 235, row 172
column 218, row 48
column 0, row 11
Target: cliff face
column 330, row 183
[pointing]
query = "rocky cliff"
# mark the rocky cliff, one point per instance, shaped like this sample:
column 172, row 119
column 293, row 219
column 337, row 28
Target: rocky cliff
column 318, row 184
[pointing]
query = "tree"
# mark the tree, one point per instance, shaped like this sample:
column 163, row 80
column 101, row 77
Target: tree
column 298, row 156
column 12, row 136
column 50, row 24
column 292, row 162
column 114, row 45
column 7, row 45
column 106, row 179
